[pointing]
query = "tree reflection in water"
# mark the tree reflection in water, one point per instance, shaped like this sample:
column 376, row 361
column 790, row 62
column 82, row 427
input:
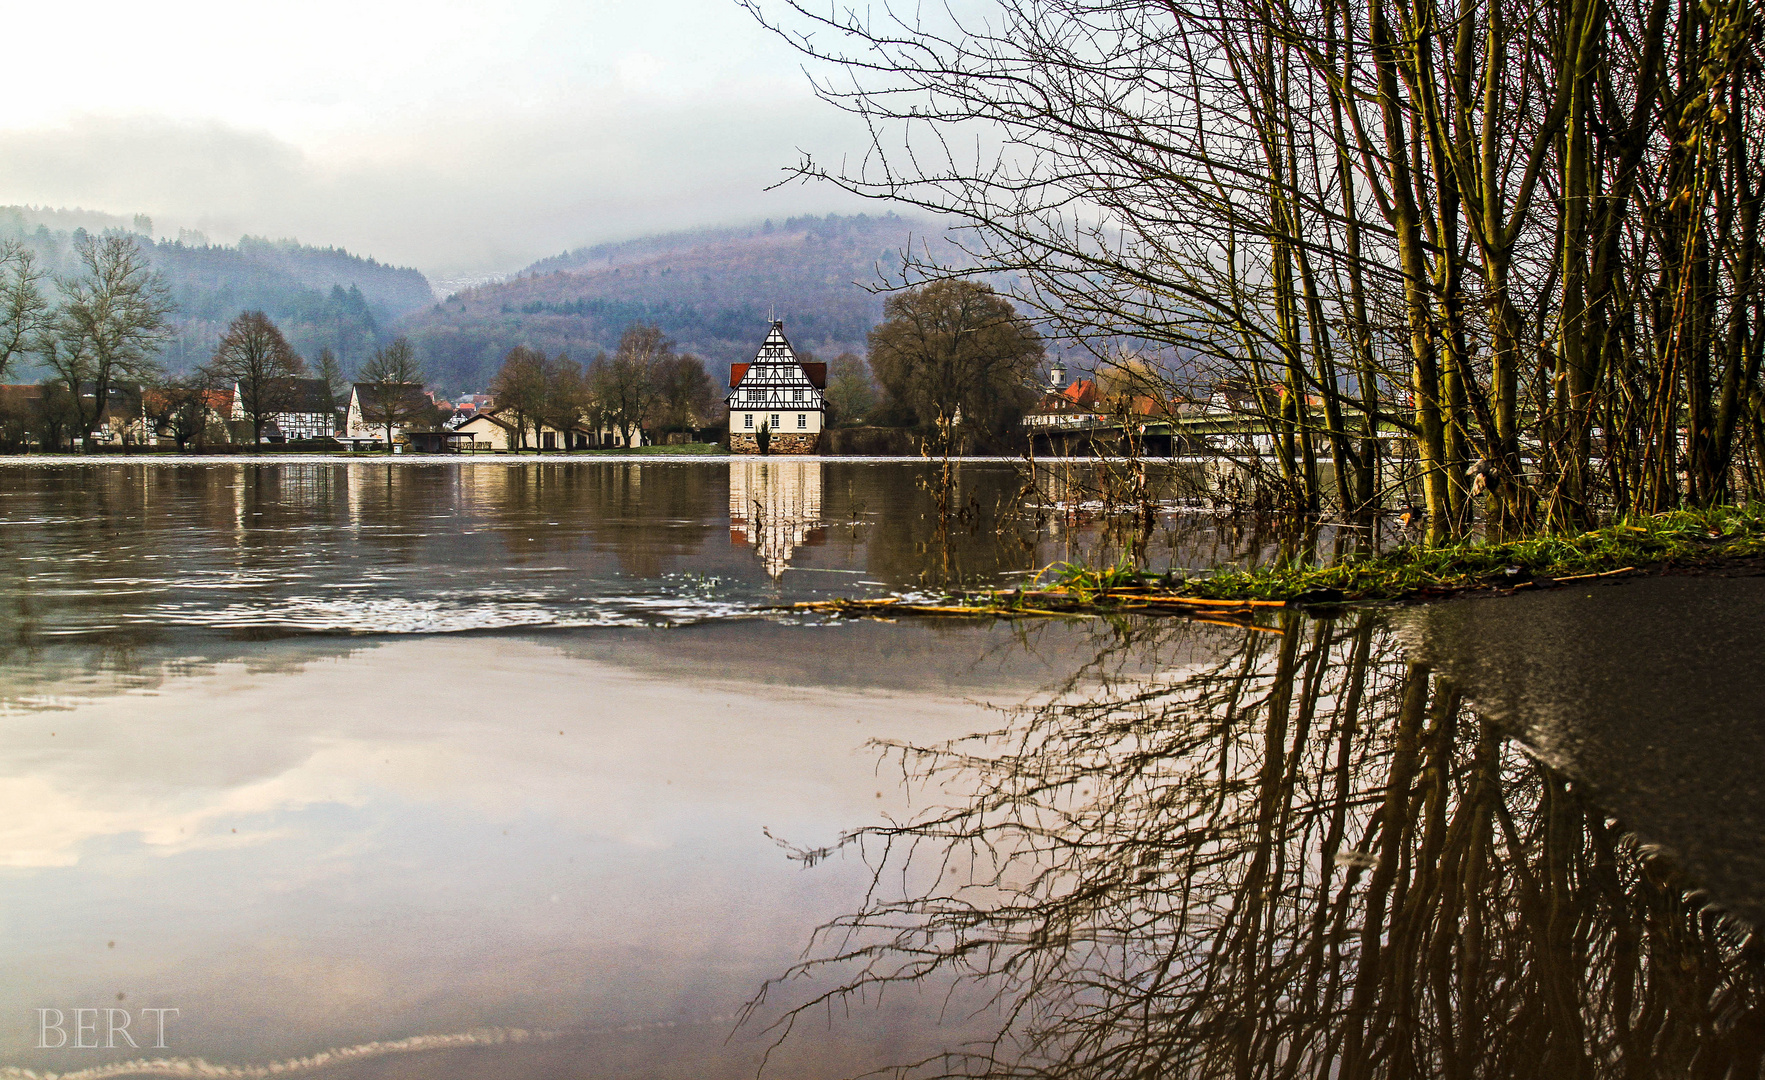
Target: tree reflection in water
column 1305, row 859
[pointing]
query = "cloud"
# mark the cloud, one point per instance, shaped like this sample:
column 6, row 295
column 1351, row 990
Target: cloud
column 457, row 194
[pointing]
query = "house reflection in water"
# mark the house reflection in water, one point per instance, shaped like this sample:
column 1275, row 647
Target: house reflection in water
column 775, row 505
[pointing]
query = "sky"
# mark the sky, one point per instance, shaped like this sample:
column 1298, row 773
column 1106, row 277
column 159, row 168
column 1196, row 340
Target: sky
column 464, row 138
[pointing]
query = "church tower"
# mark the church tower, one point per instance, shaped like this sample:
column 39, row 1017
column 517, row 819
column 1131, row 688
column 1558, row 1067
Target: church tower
column 776, row 399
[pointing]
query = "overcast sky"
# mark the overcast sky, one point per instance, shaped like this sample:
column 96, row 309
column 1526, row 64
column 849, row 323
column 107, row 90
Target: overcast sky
column 465, row 138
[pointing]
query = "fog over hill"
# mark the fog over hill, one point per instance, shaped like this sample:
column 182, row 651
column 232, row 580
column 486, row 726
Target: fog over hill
column 320, row 297
column 711, row 290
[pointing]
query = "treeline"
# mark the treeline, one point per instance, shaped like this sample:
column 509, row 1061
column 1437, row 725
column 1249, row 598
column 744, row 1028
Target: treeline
column 734, row 325
column 831, row 227
column 323, row 298
column 643, row 385
column 1515, row 242
column 712, row 291
column 99, row 332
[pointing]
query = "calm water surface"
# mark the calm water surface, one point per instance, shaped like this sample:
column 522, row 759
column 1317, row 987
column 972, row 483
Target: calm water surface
column 485, row 770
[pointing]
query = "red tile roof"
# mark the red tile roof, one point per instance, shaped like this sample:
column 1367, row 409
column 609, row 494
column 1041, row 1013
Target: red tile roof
column 736, row 371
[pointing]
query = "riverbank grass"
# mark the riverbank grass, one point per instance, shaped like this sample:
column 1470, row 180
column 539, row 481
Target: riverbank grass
column 1659, row 541
column 1680, row 538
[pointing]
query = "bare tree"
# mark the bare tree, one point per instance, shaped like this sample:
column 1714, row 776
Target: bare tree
column 336, row 382
column 566, row 396
column 851, row 392
column 393, row 383
column 1520, row 236
column 687, row 398
column 256, row 360
column 24, row 310
column 108, row 327
column 625, row 386
column 180, row 407
column 521, row 391
column 956, row 354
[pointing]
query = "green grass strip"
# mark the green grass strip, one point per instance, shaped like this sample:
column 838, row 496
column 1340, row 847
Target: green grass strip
column 1678, row 536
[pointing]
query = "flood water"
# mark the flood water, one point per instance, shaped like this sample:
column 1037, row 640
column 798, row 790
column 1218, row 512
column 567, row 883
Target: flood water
column 514, row 770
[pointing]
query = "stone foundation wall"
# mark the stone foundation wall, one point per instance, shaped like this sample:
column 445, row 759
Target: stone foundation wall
column 745, row 442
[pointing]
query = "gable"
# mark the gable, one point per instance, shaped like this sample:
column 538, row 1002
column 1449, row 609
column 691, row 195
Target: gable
column 775, row 378
column 483, row 422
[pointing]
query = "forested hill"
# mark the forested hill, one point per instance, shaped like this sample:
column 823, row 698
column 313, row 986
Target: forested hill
column 319, row 296
column 710, row 290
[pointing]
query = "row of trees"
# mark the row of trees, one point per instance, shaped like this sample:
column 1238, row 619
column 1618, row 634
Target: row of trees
column 100, row 330
column 268, row 378
column 645, row 383
column 1521, row 236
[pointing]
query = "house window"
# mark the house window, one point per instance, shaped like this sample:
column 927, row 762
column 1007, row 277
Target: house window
column 802, row 420
column 796, row 395
column 775, row 421
column 747, row 420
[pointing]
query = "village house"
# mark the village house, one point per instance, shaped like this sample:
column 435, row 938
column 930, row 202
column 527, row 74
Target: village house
column 473, row 404
column 309, row 415
column 492, row 431
column 776, row 398
column 1066, row 405
column 360, row 421
column 120, row 421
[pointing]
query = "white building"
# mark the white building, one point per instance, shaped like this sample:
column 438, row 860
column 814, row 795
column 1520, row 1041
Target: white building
column 359, row 422
column 777, row 393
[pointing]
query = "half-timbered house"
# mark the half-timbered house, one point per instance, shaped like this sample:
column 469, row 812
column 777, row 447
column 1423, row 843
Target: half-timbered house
column 776, row 398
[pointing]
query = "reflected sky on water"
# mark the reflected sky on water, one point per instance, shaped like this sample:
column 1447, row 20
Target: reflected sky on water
column 1448, row 841
column 1306, row 856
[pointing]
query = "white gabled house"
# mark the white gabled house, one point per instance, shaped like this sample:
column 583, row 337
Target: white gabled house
column 363, row 401
column 309, row 414
column 779, row 394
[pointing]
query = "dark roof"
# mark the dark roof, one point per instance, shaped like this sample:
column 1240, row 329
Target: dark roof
column 308, row 396
column 124, row 398
column 817, row 373
column 412, row 396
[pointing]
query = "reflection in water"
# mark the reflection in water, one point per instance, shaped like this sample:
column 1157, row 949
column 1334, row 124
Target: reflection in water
column 775, row 505
column 1306, row 859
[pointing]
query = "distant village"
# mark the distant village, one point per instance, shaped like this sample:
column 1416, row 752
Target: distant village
column 776, row 404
